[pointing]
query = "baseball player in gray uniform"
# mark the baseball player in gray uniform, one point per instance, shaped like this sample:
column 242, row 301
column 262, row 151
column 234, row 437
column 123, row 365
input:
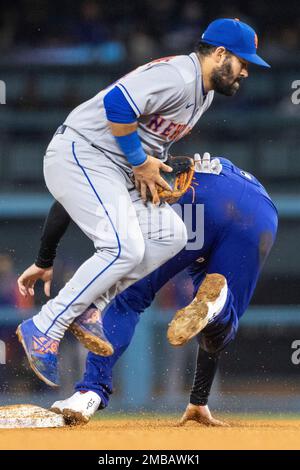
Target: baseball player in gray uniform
column 104, row 161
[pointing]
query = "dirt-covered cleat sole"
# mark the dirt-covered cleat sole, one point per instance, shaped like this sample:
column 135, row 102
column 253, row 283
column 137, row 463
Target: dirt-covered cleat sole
column 71, row 417
column 98, row 346
column 190, row 320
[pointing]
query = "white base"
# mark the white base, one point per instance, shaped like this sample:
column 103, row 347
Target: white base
column 29, row 416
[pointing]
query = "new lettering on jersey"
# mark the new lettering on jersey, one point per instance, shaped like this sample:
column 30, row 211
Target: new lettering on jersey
column 167, row 98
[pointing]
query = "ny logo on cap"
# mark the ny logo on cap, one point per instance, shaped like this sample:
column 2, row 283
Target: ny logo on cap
column 256, row 41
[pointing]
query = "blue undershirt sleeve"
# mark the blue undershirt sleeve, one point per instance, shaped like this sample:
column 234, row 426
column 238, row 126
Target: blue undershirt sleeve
column 117, row 107
column 118, row 110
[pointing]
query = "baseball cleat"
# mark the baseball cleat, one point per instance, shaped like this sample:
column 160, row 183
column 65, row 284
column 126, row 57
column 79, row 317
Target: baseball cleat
column 209, row 301
column 41, row 352
column 79, row 408
column 88, row 329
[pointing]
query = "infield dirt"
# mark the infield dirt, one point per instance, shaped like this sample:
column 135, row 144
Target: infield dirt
column 158, row 434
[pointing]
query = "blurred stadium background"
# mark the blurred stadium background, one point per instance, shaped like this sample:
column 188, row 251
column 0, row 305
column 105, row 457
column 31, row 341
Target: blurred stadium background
column 54, row 55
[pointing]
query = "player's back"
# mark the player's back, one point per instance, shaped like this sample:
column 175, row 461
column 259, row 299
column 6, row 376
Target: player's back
column 234, row 197
column 240, row 224
column 236, row 208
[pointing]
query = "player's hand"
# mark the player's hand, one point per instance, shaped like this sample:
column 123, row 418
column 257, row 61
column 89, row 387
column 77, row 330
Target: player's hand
column 201, row 415
column 27, row 280
column 206, row 164
column 147, row 176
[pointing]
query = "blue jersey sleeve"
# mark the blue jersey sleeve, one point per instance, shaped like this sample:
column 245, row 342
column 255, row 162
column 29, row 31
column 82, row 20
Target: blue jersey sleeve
column 117, row 107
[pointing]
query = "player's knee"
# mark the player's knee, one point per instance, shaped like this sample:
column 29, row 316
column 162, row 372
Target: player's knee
column 177, row 240
column 133, row 251
column 179, row 236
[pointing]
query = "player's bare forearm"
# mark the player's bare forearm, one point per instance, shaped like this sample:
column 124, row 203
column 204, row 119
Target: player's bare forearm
column 120, row 129
column 147, row 175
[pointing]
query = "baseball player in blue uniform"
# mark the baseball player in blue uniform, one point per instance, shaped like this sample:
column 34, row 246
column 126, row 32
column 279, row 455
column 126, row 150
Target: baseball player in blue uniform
column 240, row 224
column 107, row 156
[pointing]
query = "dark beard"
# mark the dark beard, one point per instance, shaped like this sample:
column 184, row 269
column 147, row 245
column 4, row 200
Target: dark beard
column 222, row 80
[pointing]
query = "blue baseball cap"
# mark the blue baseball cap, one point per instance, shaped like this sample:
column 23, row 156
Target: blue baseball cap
column 237, row 37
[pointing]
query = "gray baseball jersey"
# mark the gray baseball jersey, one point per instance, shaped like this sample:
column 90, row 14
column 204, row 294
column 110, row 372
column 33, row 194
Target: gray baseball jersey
column 167, row 98
column 131, row 239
